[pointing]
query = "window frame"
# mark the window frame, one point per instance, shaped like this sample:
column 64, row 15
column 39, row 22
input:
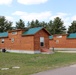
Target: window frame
column 12, row 40
column 14, row 33
column 2, row 40
column 60, row 36
column 57, row 41
column 42, row 41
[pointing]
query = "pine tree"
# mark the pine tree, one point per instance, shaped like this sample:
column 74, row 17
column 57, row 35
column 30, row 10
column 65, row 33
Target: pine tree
column 5, row 25
column 72, row 28
column 57, row 27
column 20, row 24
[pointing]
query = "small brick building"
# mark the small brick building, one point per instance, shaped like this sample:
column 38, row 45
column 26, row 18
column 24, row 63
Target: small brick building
column 34, row 39
column 63, row 42
column 25, row 41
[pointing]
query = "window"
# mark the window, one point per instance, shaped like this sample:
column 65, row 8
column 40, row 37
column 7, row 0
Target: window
column 12, row 40
column 41, row 41
column 57, row 41
column 14, row 33
column 2, row 41
column 59, row 36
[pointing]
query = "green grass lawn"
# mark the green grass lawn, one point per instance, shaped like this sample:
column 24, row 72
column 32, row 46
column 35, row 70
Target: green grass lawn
column 33, row 63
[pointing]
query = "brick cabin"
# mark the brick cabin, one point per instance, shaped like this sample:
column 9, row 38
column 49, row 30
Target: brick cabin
column 25, row 41
column 63, row 42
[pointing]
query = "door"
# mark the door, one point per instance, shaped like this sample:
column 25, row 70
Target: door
column 41, row 41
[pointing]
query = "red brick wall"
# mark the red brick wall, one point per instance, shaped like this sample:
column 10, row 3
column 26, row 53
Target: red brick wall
column 27, row 43
column 41, row 33
column 4, row 45
column 20, row 43
column 71, row 43
column 17, row 38
column 30, row 42
column 9, row 44
column 64, row 42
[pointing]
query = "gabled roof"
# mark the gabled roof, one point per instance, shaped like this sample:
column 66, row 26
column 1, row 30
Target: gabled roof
column 51, row 37
column 72, row 35
column 32, row 31
column 4, row 34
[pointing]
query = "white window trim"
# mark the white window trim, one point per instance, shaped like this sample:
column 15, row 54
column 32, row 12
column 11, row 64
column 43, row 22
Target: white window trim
column 59, row 36
column 2, row 40
column 42, row 40
column 57, row 41
column 14, row 33
column 12, row 40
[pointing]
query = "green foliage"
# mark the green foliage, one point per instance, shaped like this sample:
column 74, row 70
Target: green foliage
column 20, row 24
column 5, row 25
column 57, row 26
column 49, row 26
column 72, row 28
column 33, row 24
column 28, row 24
column 37, row 23
column 53, row 27
column 43, row 24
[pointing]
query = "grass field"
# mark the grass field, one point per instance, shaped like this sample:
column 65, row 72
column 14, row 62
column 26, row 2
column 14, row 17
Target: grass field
column 30, row 64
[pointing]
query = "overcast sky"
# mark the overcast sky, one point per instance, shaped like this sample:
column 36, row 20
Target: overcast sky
column 43, row 10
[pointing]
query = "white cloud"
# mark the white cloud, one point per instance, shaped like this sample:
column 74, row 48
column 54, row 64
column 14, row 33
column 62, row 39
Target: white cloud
column 19, row 13
column 5, row 2
column 64, row 17
column 45, row 16
column 74, row 17
column 61, row 15
column 30, row 2
column 9, row 18
column 33, row 16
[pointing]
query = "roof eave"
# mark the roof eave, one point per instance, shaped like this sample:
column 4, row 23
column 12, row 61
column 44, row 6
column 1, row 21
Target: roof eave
column 50, row 39
column 46, row 31
column 71, row 38
column 27, row 34
column 4, row 37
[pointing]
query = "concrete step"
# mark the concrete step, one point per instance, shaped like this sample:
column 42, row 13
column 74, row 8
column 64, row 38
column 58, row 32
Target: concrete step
column 46, row 51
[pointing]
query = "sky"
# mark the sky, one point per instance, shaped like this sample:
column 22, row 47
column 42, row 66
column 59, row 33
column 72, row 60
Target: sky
column 43, row 10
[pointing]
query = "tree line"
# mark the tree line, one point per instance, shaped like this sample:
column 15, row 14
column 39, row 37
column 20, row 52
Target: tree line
column 53, row 27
